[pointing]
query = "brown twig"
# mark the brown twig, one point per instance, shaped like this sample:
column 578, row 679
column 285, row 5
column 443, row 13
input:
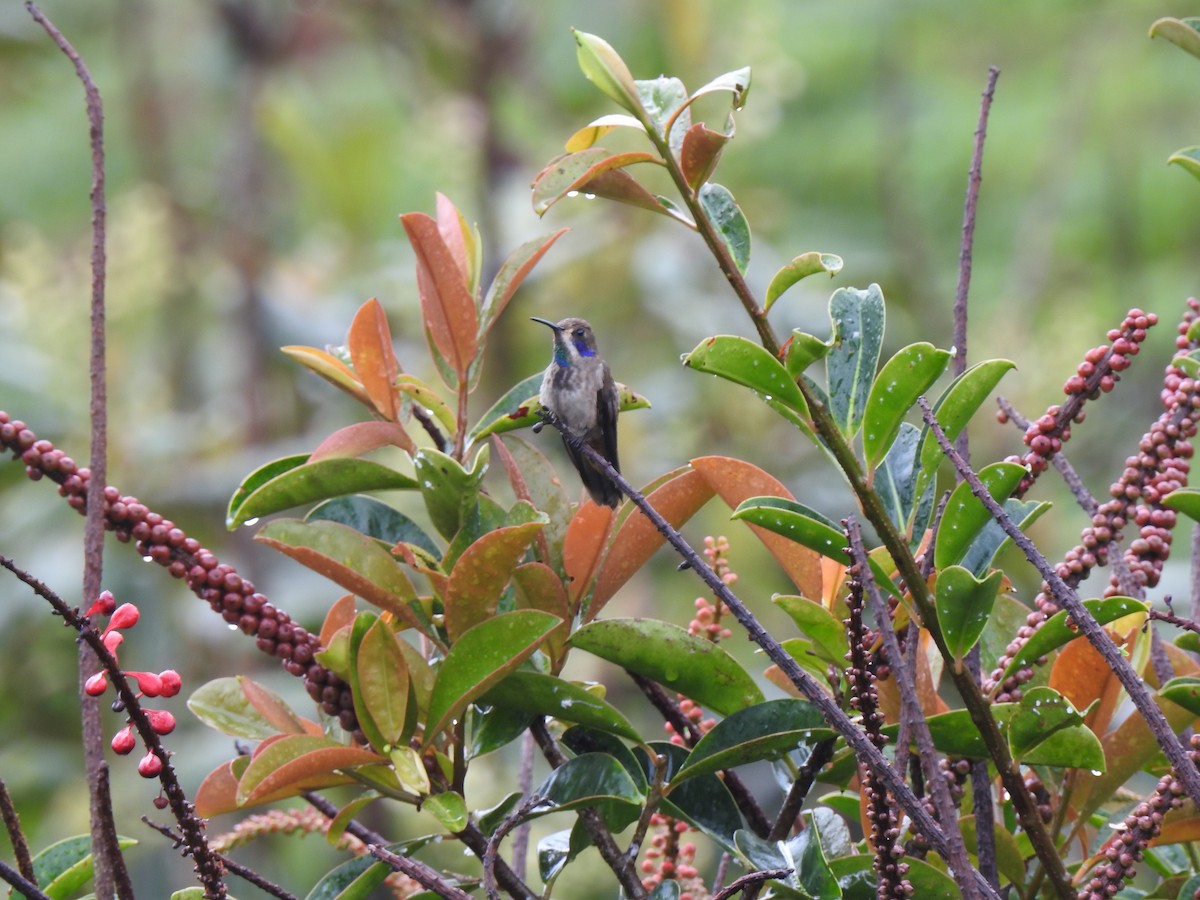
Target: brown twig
column 511, row 821
column 416, row 871
column 751, row 879
column 1069, row 600
column 28, row 889
column 16, row 836
column 231, row 865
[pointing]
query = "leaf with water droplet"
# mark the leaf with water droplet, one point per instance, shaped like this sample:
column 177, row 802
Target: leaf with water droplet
column 964, row 603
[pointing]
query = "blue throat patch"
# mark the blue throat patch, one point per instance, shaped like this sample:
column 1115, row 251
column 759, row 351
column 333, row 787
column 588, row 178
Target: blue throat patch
column 583, row 349
column 560, row 355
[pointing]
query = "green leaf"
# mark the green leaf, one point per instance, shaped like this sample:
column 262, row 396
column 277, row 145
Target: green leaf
column 356, row 878
column 964, row 604
column 1182, row 33
column 480, row 659
column 704, row 802
column 800, row 268
column 666, row 653
column 1185, row 500
column 450, row 491
column 965, row 515
column 744, row 362
column 665, row 102
column 992, row 538
column 665, row 890
column 354, row 561
column 534, row 478
column 811, row 876
column 806, row 527
column 483, row 571
column 532, row 693
column 858, row 323
column 768, row 730
column 293, row 481
column 222, row 704
column 1041, row 713
column 858, row 880
column 827, row 631
column 374, row 518
column 1056, row 632
column 295, row 762
column 592, row 779
column 1184, row 690
column 494, row 728
column 1187, row 159
column 895, row 481
column 954, row 409
column 903, row 378
column 553, row 853
column 63, row 868
column 382, row 689
column 603, row 66
column 727, row 217
column 801, row 351
column 449, row 808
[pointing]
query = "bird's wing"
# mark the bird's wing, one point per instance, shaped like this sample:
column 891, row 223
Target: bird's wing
column 607, row 404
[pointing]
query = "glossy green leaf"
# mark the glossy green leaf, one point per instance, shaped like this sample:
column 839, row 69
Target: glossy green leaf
column 964, row 604
column 992, row 538
column 798, row 269
column 450, row 491
column 704, row 802
column 736, row 82
column 481, row 574
column 895, row 481
column 64, row 867
column 1185, row 500
column 1055, row 631
column 801, row 351
column 965, row 515
column 954, row 409
column 356, row 878
column 665, row 890
column 533, row 693
column 1183, row 33
column 382, row 687
column 858, row 880
column 858, row 323
column 1187, row 159
column 767, row 730
column 727, row 217
column 586, row 172
column 553, row 853
column 1188, row 363
column 222, row 704
column 806, row 527
column 374, row 518
column 666, row 653
column 811, row 876
column 1041, row 713
column 665, row 101
column 1184, row 690
column 421, row 394
column 353, row 560
column 603, row 66
column 449, row 808
column 746, row 363
column 903, row 378
column 480, row 659
column 534, row 479
column 492, row 728
column 827, row 631
column 293, row 481
column 591, row 779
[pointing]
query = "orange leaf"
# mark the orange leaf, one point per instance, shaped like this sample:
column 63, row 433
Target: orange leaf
column 271, row 707
column 295, row 761
column 539, row 587
column 450, row 227
column 699, row 153
column 340, row 615
column 520, row 488
column 374, row 358
column 481, row 574
column 448, row 306
column 1081, row 675
column 583, row 544
column 735, row 480
column 363, row 437
column 331, row 369
column 677, row 500
column 217, row 792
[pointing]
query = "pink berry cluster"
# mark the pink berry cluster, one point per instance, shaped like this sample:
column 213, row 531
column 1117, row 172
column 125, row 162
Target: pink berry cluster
column 161, row 541
column 163, row 684
column 1126, row 848
column 669, row 857
column 709, row 613
column 1098, row 373
column 1160, row 466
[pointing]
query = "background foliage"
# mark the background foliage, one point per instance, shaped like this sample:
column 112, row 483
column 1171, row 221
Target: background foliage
column 260, row 151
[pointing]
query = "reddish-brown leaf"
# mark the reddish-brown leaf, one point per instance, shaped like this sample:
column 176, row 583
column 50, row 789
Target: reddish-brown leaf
column 447, row 304
column 451, row 227
column 637, row 539
column 271, row 708
column 340, row 615
column 296, row 762
column 699, row 154
column 331, row 369
column 374, row 358
column 583, row 545
column 539, row 587
column 363, row 437
column 481, row 574
column 735, row 480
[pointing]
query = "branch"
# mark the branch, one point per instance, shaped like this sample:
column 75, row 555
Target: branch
column 417, row 871
column 16, row 836
column 28, row 889
column 750, row 880
column 232, row 865
column 866, row 752
column 1185, row 769
column 511, row 821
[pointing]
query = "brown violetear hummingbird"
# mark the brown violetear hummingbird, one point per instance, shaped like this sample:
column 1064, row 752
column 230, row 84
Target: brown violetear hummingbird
column 579, row 389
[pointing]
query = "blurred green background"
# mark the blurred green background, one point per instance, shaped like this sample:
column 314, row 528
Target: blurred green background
column 259, row 152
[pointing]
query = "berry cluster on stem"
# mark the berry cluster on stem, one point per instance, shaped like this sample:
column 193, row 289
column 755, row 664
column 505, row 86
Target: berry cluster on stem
column 160, row 540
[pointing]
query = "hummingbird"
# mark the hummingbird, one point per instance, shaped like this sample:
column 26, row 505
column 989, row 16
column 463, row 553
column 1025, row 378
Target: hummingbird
column 579, row 389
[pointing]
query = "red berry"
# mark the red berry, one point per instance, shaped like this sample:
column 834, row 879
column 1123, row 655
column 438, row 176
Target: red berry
column 123, row 741
column 161, row 721
column 125, row 616
column 150, row 684
column 170, row 682
column 96, row 684
column 149, row 765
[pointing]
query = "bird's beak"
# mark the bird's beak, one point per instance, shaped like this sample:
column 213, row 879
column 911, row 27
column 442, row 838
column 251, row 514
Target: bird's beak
column 546, row 322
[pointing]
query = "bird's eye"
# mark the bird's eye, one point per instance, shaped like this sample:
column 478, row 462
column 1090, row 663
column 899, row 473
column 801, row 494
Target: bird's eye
column 578, row 332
